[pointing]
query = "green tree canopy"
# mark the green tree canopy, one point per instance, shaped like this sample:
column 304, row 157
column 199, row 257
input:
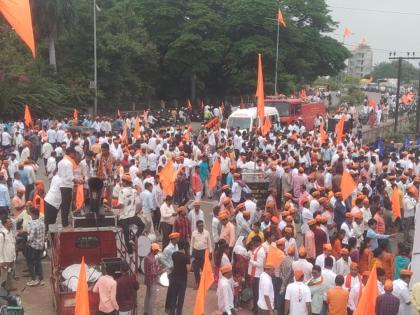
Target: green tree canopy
column 389, row 70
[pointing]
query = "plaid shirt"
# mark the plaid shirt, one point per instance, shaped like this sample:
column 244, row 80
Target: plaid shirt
column 36, row 234
column 183, row 226
column 151, row 270
column 387, row 304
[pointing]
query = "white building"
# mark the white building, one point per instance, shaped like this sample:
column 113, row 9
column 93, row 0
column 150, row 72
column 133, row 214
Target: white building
column 360, row 63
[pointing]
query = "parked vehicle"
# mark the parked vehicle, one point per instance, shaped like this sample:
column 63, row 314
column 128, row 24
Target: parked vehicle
column 247, row 118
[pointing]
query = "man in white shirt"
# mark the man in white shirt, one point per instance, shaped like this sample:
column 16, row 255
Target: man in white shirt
column 320, row 260
column 255, row 269
column 303, row 264
column 409, row 207
column 342, row 266
column 402, row 292
column 52, row 136
column 46, row 151
column 65, row 171
column 236, row 189
column 224, row 292
column 52, row 201
column 328, row 274
column 266, row 291
column 200, row 242
column 6, row 139
column 298, row 296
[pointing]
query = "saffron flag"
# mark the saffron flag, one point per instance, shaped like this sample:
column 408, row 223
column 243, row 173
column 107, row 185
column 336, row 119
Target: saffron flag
column 347, row 32
column 260, row 92
column 280, row 18
column 347, row 185
column 167, row 176
column 27, row 116
column 372, row 103
column 367, row 302
column 206, row 281
column 339, row 129
column 215, row 173
column 80, row 196
column 82, row 294
column 75, row 115
column 267, row 126
column 323, row 134
column 395, row 202
column 136, row 132
column 18, row 14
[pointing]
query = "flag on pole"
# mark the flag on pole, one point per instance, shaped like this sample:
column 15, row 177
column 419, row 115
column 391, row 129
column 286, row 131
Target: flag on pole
column 80, row 196
column 267, row 126
column 136, row 132
column 27, row 116
column 347, row 32
column 280, row 18
column 395, row 202
column 82, row 294
column 18, row 14
column 215, row 173
column 75, row 114
column 367, row 302
column 322, row 134
column 339, row 129
column 347, row 185
column 260, row 92
column 124, row 135
column 189, row 105
column 206, row 282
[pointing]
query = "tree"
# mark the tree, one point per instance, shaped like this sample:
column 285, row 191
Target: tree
column 389, row 70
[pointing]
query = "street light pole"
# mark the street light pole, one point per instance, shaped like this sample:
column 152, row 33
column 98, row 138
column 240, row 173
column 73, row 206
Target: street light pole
column 277, row 59
column 418, row 109
column 397, row 102
column 95, row 72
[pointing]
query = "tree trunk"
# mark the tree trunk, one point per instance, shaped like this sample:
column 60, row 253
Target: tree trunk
column 193, row 87
column 51, row 50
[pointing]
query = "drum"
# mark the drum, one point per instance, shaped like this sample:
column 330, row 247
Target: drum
column 164, row 280
column 143, row 246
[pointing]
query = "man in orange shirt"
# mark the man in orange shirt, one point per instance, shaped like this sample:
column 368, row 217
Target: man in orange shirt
column 337, row 298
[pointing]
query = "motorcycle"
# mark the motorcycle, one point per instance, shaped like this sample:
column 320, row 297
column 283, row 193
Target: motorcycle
column 10, row 304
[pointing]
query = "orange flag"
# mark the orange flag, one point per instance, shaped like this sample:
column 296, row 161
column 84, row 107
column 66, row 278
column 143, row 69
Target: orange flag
column 82, row 294
column 347, row 32
column 167, row 176
column 80, row 196
column 18, row 14
column 136, row 132
column 367, row 302
column 215, row 173
column 322, row 134
column 280, row 18
column 372, row 103
column 260, row 92
column 75, row 115
column 395, row 202
column 27, row 116
column 339, row 129
column 206, row 281
column 124, row 135
column 348, row 185
column 267, row 126
column 405, row 100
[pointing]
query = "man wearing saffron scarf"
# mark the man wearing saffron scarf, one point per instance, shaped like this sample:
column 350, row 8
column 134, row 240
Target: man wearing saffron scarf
column 105, row 170
column 353, row 282
column 318, row 289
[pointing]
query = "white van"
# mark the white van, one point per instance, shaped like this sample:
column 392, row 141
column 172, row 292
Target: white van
column 246, row 119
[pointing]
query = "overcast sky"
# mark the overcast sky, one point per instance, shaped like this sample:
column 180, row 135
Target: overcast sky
column 384, row 31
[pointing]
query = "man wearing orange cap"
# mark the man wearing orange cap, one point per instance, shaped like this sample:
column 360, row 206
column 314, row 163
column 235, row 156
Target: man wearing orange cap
column 195, row 214
column 342, row 266
column 303, row 264
column 182, row 225
column 337, row 297
column 290, row 241
column 227, row 231
column 297, row 182
column 266, row 291
column 298, row 296
column 327, row 252
column 387, row 303
column 151, row 277
column 225, row 299
column 167, row 262
column 402, row 292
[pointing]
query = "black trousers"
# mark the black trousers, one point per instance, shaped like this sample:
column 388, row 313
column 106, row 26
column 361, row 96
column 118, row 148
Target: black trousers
column 125, row 225
column 177, row 297
column 28, row 190
column 156, row 218
column 66, row 200
column 112, row 313
column 33, row 259
column 166, row 229
column 198, row 263
column 50, row 215
column 224, row 176
column 255, row 292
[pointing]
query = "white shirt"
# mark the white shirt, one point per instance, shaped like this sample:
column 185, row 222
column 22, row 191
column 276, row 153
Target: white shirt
column 409, row 206
column 402, row 292
column 349, row 232
column 236, row 192
column 320, row 260
column 51, row 166
column 7, row 246
column 298, row 294
column 166, row 213
column 53, row 196
column 256, row 263
column 52, row 136
column 342, row 267
column 128, row 198
column 5, row 138
column 46, row 150
column 225, row 295
column 329, row 277
column 265, row 289
column 66, row 173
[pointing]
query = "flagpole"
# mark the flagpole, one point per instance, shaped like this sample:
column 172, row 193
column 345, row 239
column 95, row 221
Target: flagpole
column 95, row 71
column 277, row 59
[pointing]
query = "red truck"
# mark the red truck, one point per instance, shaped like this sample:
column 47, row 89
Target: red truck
column 291, row 109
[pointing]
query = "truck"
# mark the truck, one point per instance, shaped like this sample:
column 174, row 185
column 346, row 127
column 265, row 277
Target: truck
column 292, row 109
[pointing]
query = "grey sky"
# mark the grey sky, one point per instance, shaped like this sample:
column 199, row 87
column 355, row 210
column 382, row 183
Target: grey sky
column 385, row 32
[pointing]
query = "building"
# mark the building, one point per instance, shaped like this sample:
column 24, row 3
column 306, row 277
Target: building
column 360, row 63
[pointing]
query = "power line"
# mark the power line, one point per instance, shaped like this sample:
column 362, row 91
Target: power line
column 376, row 11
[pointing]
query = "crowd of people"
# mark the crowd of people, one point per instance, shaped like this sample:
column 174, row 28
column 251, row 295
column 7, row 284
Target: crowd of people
column 304, row 249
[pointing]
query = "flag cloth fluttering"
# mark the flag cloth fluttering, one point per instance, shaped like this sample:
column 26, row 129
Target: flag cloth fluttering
column 367, row 302
column 347, row 32
column 136, row 132
column 280, row 18
column 339, row 129
column 215, row 173
column 82, row 294
column 274, row 256
column 189, row 105
column 395, row 202
column 260, row 92
column 168, row 176
column 206, row 282
column 347, row 185
column 75, row 114
column 80, row 196
column 372, row 103
column 18, row 14
column 27, row 116
column 267, row 126
column 323, row 134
